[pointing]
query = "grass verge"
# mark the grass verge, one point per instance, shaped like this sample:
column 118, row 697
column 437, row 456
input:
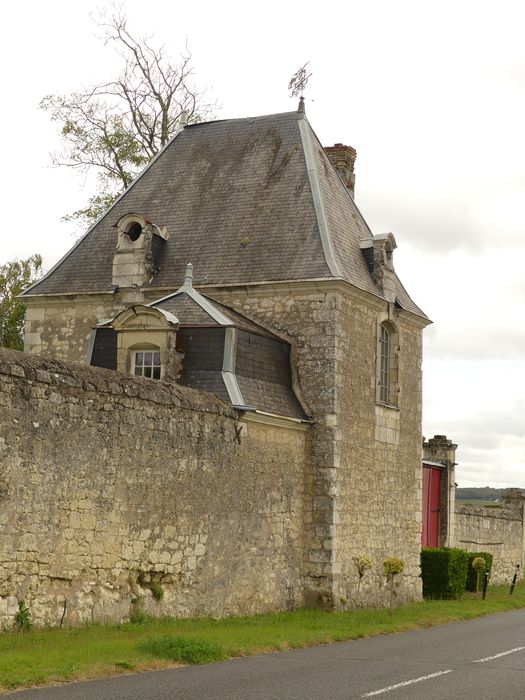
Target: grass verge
column 47, row 656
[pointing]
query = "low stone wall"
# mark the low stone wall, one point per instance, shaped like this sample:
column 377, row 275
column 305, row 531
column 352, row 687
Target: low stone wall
column 119, row 494
column 495, row 530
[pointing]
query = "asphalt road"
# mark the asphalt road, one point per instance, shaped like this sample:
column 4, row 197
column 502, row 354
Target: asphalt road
column 482, row 659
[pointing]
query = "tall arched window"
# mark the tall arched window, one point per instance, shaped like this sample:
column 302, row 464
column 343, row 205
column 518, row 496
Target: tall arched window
column 387, row 380
column 384, row 365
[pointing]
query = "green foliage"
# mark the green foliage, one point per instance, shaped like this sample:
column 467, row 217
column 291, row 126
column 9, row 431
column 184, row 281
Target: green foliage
column 23, row 617
column 471, row 571
column 188, row 651
column 362, row 563
column 157, row 591
column 115, row 128
column 15, row 276
column 137, row 616
column 126, row 665
column 50, row 655
column 393, row 566
column 479, row 565
column 444, row 572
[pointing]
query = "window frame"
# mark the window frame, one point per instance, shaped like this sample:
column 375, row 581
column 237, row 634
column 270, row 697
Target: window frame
column 388, row 365
column 144, row 366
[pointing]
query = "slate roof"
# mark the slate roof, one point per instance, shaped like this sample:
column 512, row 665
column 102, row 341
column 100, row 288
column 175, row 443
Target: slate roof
column 245, row 200
column 189, row 313
column 262, row 369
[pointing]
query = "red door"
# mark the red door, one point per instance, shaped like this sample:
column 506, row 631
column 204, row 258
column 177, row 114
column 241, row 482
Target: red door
column 431, row 491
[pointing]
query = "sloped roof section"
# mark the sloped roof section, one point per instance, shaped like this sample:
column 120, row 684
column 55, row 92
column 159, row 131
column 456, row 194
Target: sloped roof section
column 246, row 200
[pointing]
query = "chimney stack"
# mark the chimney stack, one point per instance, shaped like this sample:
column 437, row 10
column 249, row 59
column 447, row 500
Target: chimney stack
column 343, row 158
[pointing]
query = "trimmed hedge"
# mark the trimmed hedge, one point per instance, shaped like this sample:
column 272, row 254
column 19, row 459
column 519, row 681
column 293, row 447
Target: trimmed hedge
column 444, row 572
column 471, row 573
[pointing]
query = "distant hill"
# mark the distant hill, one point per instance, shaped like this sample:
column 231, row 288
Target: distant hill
column 481, row 493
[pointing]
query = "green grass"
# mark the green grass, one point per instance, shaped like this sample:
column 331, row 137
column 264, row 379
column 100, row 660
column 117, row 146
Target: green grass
column 45, row 656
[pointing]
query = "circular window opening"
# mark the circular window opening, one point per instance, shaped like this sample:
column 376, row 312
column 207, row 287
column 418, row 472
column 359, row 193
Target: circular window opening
column 134, row 231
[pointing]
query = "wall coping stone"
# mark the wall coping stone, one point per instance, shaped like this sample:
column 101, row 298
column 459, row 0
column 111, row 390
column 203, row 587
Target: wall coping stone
column 46, row 370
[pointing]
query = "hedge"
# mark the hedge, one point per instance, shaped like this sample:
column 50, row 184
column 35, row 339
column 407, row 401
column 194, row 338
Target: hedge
column 471, row 573
column 444, row 572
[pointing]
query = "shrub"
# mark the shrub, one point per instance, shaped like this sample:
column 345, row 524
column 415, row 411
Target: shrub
column 189, row 651
column 362, row 563
column 471, row 572
column 392, row 567
column 444, row 572
column 23, row 617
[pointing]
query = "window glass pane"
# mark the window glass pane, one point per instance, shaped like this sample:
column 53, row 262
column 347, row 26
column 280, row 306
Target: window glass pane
column 147, row 372
column 156, row 373
column 156, row 358
column 148, row 358
column 138, row 371
column 139, row 358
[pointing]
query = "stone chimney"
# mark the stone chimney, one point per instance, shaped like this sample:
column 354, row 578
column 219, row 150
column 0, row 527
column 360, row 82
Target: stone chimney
column 343, row 158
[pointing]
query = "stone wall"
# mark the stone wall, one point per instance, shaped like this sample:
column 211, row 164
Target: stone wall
column 499, row 531
column 115, row 491
column 363, row 474
column 60, row 327
column 379, row 454
column 364, row 482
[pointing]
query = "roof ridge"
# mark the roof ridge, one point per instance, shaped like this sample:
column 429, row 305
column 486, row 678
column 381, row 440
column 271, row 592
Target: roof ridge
column 258, row 117
column 305, row 130
column 206, row 305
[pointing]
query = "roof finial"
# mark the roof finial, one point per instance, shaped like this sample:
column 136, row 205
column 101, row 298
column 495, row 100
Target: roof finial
column 298, row 83
column 188, row 277
column 183, row 119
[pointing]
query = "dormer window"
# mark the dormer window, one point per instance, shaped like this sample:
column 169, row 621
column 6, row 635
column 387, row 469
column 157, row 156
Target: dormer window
column 134, row 230
column 139, row 246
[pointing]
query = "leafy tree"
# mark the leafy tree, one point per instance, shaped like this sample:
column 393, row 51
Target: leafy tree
column 116, row 127
column 15, row 276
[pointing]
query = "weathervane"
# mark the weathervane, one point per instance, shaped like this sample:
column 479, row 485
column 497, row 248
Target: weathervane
column 298, row 81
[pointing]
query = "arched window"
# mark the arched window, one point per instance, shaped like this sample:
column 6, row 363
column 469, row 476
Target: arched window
column 387, row 380
column 384, row 365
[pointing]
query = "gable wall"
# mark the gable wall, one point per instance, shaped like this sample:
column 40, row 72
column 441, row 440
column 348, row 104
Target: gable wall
column 109, row 483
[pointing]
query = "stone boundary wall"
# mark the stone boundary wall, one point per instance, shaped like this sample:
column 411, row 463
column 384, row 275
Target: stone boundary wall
column 120, row 495
column 495, row 530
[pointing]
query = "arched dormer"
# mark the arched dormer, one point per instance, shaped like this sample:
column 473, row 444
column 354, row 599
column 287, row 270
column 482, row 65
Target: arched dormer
column 139, row 245
column 146, row 342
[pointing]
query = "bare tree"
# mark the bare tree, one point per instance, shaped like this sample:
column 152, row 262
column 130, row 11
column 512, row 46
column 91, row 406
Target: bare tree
column 116, row 127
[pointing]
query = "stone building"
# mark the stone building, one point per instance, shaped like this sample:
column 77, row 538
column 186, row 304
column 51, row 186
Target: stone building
column 291, row 312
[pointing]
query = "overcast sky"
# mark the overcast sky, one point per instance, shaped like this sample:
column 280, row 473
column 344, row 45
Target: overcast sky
column 432, row 96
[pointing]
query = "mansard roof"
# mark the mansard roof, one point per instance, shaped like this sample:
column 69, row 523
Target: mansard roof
column 246, row 200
